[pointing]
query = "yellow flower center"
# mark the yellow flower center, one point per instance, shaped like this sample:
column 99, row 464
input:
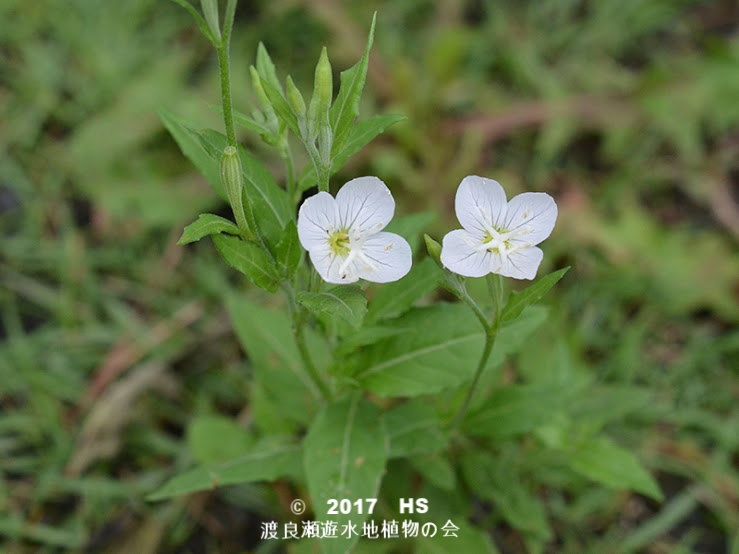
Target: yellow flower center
column 497, row 244
column 338, row 241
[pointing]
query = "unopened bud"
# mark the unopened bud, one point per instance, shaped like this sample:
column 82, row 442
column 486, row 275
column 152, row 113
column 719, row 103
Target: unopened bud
column 323, row 90
column 233, row 181
column 434, row 249
column 295, row 98
column 256, row 83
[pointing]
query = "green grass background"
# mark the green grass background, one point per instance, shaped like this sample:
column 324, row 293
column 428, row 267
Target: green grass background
column 113, row 337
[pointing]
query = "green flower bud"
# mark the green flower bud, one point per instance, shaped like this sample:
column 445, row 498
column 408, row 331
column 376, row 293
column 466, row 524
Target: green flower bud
column 256, row 83
column 323, row 90
column 295, row 98
column 210, row 11
column 434, row 249
column 324, row 82
column 232, row 178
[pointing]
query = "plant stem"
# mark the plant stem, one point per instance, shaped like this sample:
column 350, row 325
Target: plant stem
column 497, row 293
column 291, row 184
column 298, row 328
column 224, row 66
column 299, row 332
column 489, row 343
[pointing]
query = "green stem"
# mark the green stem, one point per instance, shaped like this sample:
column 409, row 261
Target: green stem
column 224, row 66
column 476, row 310
column 298, row 329
column 489, row 343
column 299, row 332
column 497, row 293
column 291, row 187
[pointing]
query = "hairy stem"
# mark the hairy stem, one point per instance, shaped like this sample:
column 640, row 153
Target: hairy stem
column 224, row 66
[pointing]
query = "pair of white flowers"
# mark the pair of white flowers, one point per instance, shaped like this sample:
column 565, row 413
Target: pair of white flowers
column 345, row 241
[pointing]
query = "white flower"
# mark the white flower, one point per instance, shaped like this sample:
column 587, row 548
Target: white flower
column 343, row 235
column 498, row 236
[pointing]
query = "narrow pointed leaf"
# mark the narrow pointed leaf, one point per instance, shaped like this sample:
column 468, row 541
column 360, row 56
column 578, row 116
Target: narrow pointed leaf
column 249, row 259
column 269, row 459
column 281, row 107
column 190, row 142
column 344, row 455
column 604, row 461
column 346, row 107
column 266, row 68
column 207, row 224
column 520, row 300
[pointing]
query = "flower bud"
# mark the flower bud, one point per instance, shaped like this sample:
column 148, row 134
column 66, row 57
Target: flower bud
column 324, row 83
column 295, row 98
column 434, row 249
column 210, row 11
column 233, row 181
column 256, row 83
column 323, row 90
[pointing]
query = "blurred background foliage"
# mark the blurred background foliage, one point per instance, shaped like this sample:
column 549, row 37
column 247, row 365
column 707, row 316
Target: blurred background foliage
column 625, row 111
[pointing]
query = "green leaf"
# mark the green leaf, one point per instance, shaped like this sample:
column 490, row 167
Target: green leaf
column 266, row 68
column 440, row 350
column 281, row 107
column 199, row 20
column 366, row 336
column 394, row 299
column 190, row 142
column 603, row 461
column 266, row 337
column 346, row 107
column 344, row 455
column 289, row 251
column 215, row 439
column 247, row 122
column 466, row 539
column 516, row 409
column 436, row 469
column 522, row 299
column 249, row 259
column 269, row 459
column 268, row 201
column 207, row 224
column 413, row 428
column 346, row 302
column 364, row 132
column 606, row 403
column 495, row 480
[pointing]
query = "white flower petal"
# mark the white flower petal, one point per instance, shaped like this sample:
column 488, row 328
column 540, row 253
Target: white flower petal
column 480, row 203
column 384, row 257
column 522, row 264
column 460, row 257
column 365, row 205
column 331, row 267
column 317, row 218
column 531, row 217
